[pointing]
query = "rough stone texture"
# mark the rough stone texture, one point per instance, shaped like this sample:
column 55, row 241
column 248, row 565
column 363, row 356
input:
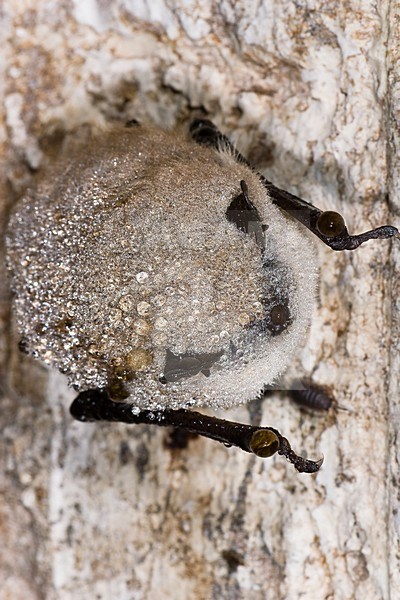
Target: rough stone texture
column 394, row 364
column 310, row 91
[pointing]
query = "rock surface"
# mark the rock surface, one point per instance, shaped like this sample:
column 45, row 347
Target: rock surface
column 311, row 96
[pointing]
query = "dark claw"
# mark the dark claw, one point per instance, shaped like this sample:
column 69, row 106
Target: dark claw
column 302, row 465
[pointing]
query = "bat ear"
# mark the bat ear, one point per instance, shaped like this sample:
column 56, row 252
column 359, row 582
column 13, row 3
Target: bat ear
column 245, row 216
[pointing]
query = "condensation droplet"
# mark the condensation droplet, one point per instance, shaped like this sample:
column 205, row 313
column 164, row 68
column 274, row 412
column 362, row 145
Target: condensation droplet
column 160, row 323
column 115, row 315
column 138, row 359
column 143, row 308
column 142, row 277
column 209, row 307
column 70, row 308
column 258, row 307
column 159, row 339
column 183, row 289
column 134, row 339
column 142, row 327
column 126, row 303
column 244, row 319
column 158, row 300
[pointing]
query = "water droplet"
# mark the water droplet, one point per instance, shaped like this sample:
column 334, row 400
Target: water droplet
column 115, row 315
column 159, row 339
column 143, row 308
column 244, row 319
column 183, row 289
column 158, row 300
column 138, row 359
column 142, row 277
column 126, row 303
column 160, row 323
column 258, row 307
column 142, row 327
